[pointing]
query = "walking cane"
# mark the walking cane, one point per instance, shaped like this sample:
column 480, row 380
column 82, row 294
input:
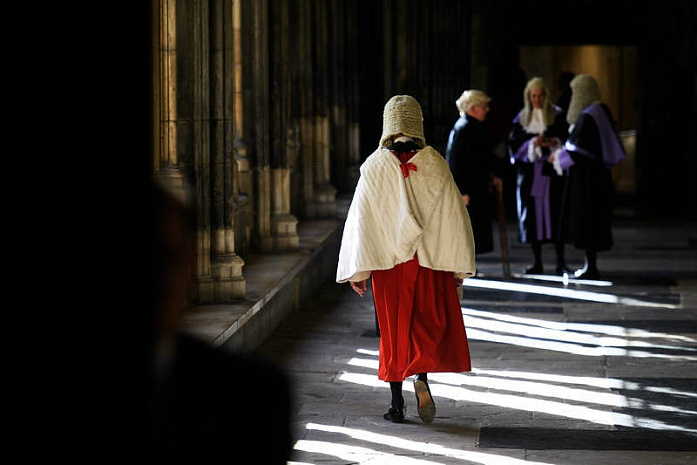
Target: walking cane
column 502, row 233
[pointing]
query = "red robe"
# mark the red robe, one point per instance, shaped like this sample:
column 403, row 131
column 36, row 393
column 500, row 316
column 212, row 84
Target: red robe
column 418, row 310
column 420, row 320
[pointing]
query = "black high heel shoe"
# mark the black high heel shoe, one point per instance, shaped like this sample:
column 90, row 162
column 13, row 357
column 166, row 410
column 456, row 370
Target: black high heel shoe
column 424, row 401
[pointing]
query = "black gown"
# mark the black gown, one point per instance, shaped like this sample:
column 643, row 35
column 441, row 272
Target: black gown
column 586, row 220
column 472, row 163
column 526, row 173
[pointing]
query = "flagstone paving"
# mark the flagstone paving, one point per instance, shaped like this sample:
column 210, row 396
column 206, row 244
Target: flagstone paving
column 601, row 372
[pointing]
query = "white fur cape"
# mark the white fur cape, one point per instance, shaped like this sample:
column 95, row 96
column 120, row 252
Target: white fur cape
column 393, row 217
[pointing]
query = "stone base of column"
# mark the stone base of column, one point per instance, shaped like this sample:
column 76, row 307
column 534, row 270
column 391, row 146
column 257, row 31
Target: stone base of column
column 265, row 243
column 225, row 282
column 324, row 205
column 285, row 232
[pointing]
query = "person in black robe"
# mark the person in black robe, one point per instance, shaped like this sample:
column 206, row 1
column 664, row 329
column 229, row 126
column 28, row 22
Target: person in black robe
column 472, row 165
column 536, row 129
column 592, row 149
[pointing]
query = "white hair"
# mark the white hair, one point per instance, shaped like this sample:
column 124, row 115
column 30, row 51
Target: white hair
column 470, row 98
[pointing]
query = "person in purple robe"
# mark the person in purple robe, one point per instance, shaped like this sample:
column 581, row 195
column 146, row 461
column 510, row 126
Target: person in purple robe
column 536, row 130
column 592, row 149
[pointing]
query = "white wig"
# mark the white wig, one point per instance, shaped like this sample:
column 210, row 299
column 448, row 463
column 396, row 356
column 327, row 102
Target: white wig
column 584, row 91
column 402, row 115
column 547, row 108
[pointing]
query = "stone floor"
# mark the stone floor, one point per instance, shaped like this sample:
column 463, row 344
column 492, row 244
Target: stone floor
column 583, row 372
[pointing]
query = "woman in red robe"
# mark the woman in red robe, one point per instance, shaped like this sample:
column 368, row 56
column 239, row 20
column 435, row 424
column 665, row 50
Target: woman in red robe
column 409, row 230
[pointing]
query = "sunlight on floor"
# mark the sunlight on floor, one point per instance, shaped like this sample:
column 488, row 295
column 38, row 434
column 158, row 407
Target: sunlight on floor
column 603, row 383
column 573, row 338
column 608, row 403
column 530, row 404
column 562, row 292
column 581, row 397
column 562, row 279
column 529, row 387
column 362, row 454
column 480, row 379
column 611, row 330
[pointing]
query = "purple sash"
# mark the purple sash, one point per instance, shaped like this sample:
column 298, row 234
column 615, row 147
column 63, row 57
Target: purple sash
column 610, row 145
column 613, row 152
column 539, row 190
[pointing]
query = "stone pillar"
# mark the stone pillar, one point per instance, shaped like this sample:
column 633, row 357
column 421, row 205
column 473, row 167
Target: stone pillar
column 325, row 194
column 353, row 141
column 204, row 145
column 166, row 164
column 344, row 96
column 263, row 209
column 283, row 223
column 167, row 158
column 324, row 199
column 243, row 183
column 226, row 266
column 242, row 189
column 305, row 73
column 260, row 71
column 194, row 136
column 338, row 91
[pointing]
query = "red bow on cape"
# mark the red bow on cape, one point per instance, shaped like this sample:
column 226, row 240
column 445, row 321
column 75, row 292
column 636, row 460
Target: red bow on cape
column 405, row 167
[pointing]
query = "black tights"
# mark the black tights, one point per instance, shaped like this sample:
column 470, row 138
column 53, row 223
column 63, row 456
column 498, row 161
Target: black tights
column 396, row 388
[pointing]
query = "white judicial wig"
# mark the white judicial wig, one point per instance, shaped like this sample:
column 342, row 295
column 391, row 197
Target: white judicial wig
column 399, row 210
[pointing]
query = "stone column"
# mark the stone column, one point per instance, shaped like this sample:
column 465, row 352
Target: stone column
column 338, row 90
column 166, row 164
column 194, row 135
column 260, row 34
column 283, row 223
column 243, row 123
column 204, row 130
column 324, row 200
column 306, row 106
column 243, row 184
column 168, row 86
column 226, row 266
column 353, row 141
